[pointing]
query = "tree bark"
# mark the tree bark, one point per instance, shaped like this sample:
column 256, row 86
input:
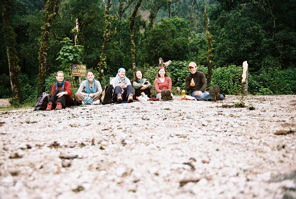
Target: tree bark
column 102, row 65
column 11, row 51
column 52, row 7
column 210, row 48
column 132, row 34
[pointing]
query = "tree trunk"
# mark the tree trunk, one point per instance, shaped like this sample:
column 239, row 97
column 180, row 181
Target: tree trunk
column 102, row 65
column 132, row 34
column 210, row 48
column 12, row 56
column 52, row 7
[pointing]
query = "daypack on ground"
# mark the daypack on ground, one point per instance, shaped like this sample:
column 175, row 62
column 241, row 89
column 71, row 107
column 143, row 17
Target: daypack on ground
column 42, row 101
column 107, row 95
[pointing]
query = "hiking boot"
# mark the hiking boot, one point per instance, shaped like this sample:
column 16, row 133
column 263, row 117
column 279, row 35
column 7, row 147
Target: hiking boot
column 49, row 106
column 130, row 98
column 119, row 98
column 59, row 106
column 163, row 96
column 213, row 94
column 168, row 95
column 217, row 90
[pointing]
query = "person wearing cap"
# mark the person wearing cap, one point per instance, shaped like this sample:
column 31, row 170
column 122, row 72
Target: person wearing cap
column 196, row 83
column 123, row 90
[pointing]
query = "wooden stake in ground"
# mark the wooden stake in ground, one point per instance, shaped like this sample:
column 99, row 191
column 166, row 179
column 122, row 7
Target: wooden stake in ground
column 245, row 79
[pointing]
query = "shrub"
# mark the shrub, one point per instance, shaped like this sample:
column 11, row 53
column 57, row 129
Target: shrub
column 5, row 87
column 228, row 78
column 273, row 81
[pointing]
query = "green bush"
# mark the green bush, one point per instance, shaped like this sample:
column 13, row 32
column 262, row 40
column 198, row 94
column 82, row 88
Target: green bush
column 5, row 87
column 273, row 81
column 228, row 78
column 28, row 89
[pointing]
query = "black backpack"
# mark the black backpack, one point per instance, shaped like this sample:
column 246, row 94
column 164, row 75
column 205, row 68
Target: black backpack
column 42, row 101
column 107, row 95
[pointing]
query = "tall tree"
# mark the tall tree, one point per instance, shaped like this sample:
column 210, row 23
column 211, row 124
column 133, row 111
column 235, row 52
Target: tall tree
column 11, row 50
column 132, row 34
column 52, row 7
column 210, row 48
column 102, row 65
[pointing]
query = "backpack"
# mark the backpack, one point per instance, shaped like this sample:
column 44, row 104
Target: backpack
column 42, row 101
column 107, row 95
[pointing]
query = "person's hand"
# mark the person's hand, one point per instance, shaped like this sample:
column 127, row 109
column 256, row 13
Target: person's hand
column 60, row 94
column 91, row 95
column 198, row 93
column 144, row 87
column 192, row 84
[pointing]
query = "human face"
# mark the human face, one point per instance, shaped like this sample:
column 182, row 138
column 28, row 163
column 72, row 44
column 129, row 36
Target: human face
column 121, row 73
column 139, row 74
column 161, row 72
column 192, row 69
column 90, row 76
column 60, row 77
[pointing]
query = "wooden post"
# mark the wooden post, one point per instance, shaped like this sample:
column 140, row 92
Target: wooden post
column 245, row 79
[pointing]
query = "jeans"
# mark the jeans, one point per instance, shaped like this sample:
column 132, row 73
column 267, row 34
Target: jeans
column 204, row 95
column 124, row 92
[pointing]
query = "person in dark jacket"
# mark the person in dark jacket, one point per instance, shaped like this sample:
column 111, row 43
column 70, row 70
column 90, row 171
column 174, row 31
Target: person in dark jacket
column 196, row 83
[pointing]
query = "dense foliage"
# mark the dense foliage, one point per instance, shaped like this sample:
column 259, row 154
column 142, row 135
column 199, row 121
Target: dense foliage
column 260, row 31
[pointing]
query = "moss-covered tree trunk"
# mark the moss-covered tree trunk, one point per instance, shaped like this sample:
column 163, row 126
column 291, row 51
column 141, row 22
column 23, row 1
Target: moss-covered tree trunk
column 11, row 50
column 102, row 65
column 132, row 35
column 52, row 7
column 210, row 48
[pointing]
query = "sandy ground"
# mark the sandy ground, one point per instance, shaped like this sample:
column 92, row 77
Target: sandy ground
column 178, row 149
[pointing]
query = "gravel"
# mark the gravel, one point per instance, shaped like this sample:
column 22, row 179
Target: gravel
column 173, row 149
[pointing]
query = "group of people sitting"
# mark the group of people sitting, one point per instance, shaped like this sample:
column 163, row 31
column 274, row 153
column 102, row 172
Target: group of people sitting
column 90, row 90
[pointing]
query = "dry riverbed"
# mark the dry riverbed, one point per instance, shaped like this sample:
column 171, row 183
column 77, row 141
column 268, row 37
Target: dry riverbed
column 178, row 149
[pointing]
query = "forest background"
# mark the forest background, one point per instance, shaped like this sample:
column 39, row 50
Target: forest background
column 39, row 38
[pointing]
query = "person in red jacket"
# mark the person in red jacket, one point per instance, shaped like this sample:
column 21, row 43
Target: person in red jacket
column 61, row 93
column 163, row 85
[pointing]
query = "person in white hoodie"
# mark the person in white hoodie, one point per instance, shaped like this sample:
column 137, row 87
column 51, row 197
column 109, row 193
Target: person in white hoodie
column 123, row 90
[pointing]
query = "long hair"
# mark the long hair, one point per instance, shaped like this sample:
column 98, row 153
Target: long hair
column 165, row 74
column 135, row 75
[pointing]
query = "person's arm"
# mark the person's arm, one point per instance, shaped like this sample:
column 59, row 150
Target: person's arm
column 53, row 88
column 81, row 87
column 128, row 82
column 99, row 87
column 169, row 83
column 187, row 81
column 113, row 82
column 68, row 88
column 156, row 86
column 136, row 85
column 148, row 83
